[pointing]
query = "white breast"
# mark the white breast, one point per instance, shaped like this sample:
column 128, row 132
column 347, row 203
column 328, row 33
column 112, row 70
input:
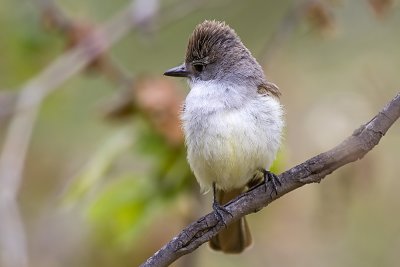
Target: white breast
column 230, row 133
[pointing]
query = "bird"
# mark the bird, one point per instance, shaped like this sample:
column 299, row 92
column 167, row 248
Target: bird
column 232, row 120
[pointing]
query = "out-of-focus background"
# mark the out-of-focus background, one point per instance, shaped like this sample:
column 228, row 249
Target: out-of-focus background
column 92, row 162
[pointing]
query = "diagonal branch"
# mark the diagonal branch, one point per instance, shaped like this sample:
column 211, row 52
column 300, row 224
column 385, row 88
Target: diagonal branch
column 311, row 171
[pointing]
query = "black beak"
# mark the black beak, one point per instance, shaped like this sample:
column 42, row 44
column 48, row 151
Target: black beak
column 179, row 71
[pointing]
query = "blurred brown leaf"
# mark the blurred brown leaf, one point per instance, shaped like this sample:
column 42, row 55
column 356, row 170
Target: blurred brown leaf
column 82, row 32
column 381, row 7
column 158, row 99
column 161, row 101
column 52, row 18
column 320, row 15
column 120, row 106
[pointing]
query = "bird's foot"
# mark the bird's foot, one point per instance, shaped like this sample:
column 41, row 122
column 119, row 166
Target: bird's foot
column 220, row 212
column 273, row 178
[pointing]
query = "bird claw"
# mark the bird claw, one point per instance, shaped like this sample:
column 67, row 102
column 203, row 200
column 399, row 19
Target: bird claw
column 273, row 178
column 219, row 212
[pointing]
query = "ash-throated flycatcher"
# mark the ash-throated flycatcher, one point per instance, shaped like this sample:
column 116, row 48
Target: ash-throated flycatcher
column 232, row 120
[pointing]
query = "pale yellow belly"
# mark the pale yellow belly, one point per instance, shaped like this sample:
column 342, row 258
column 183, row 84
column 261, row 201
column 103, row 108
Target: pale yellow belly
column 231, row 156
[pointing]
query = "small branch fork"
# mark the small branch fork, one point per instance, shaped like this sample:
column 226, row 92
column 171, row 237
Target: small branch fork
column 311, row 171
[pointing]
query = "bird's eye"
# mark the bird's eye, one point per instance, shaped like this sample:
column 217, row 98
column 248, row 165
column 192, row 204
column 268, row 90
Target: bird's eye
column 198, row 67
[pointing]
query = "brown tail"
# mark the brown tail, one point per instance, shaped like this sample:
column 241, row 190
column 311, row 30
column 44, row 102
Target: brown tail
column 236, row 237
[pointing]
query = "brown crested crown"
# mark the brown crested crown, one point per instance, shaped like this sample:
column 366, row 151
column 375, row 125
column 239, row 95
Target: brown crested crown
column 208, row 38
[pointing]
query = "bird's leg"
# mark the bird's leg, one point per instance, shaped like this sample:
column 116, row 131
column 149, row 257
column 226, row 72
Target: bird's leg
column 273, row 178
column 218, row 208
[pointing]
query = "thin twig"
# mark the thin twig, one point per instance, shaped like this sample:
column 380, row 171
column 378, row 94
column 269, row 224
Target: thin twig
column 311, row 171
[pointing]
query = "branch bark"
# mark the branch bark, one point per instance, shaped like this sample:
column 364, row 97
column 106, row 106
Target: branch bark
column 311, row 171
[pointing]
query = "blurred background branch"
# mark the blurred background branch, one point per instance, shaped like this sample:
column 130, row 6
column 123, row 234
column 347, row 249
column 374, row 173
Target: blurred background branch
column 88, row 45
